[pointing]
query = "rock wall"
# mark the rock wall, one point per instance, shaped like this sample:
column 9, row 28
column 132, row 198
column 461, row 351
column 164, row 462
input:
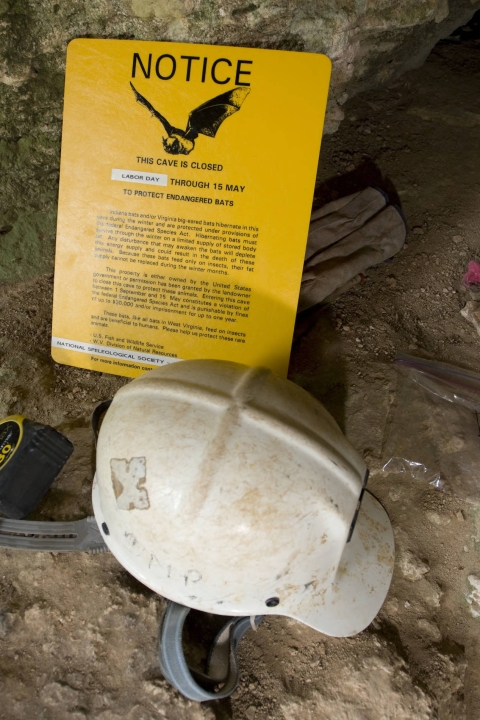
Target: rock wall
column 369, row 42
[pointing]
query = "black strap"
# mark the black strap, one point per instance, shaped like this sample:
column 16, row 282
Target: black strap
column 222, row 663
column 357, row 509
column 97, row 415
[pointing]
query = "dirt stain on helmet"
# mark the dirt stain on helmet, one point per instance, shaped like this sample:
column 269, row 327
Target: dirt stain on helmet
column 129, row 478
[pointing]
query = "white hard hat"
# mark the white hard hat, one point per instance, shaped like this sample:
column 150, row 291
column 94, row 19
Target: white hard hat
column 229, row 490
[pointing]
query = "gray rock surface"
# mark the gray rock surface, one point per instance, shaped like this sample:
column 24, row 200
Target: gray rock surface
column 369, row 43
column 79, row 634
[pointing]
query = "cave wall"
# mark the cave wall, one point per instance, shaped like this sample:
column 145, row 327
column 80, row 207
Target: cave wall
column 370, row 42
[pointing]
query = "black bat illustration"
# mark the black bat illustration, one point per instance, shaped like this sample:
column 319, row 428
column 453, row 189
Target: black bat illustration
column 205, row 119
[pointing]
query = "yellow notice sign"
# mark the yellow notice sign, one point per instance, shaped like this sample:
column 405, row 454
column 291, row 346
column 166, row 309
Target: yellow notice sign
column 186, row 183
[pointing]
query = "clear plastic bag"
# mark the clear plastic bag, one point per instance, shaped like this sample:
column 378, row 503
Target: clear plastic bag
column 434, row 432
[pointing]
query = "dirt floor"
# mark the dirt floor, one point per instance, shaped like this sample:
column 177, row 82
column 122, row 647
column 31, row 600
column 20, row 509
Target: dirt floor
column 79, row 634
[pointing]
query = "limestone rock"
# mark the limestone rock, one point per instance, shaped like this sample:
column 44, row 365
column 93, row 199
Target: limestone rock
column 57, row 695
column 368, row 43
column 431, row 594
column 471, row 312
column 411, row 566
column 379, row 688
column 473, row 596
column 437, row 519
column 430, row 630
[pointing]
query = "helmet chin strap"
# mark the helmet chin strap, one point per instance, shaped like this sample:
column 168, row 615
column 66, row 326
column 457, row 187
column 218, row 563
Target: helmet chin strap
column 222, row 663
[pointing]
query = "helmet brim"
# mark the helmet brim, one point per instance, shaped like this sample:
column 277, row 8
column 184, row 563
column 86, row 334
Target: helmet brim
column 362, row 580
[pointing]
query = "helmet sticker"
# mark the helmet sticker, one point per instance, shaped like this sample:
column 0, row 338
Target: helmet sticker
column 128, row 479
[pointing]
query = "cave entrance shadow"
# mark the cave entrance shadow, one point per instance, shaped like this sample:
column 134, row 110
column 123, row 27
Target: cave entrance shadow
column 367, row 174
column 317, row 360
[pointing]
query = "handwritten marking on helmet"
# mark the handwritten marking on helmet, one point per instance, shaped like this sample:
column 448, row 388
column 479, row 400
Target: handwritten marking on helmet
column 192, row 576
column 128, row 479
